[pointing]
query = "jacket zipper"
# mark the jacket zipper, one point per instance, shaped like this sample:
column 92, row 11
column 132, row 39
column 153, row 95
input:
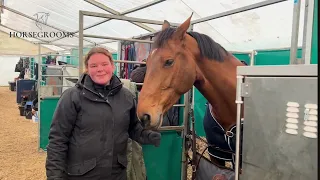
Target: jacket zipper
column 107, row 101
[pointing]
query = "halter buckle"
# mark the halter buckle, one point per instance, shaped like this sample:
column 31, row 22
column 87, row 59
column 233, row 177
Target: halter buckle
column 229, row 134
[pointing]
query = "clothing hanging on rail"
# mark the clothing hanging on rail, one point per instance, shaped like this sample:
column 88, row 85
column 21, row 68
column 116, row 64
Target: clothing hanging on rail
column 131, row 57
column 129, row 54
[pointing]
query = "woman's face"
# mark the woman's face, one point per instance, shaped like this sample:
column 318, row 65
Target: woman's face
column 100, row 68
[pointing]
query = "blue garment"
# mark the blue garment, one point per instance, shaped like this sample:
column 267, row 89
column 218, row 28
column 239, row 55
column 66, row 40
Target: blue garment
column 216, row 136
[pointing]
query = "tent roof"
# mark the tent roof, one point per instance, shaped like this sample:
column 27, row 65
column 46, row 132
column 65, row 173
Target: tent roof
column 263, row 28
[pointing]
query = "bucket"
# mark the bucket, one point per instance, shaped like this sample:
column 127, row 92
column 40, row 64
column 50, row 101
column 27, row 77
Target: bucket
column 12, row 86
column 28, row 114
column 28, row 109
column 21, row 109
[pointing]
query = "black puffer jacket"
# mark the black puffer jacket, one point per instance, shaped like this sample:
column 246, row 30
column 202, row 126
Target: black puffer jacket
column 89, row 132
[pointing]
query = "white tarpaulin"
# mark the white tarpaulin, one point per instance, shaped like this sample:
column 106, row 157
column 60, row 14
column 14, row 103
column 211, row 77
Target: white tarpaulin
column 262, row 28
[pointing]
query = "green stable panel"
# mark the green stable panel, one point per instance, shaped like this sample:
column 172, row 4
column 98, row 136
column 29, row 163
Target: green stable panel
column 115, row 57
column 243, row 57
column 274, row 57
column 75, row 55
column 164, row 162
column 47, row 108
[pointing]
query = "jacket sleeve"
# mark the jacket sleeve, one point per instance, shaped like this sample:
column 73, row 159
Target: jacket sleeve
column 61, row 127
column 136, row 131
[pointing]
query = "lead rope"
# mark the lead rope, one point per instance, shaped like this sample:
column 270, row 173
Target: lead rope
column 194, row 150
column 193, row 138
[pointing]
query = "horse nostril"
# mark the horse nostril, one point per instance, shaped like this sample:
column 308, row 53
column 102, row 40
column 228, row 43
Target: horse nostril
column 145, row 120
column 146, row 117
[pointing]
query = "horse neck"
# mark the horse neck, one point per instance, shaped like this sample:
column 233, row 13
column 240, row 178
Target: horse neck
column 217, row 83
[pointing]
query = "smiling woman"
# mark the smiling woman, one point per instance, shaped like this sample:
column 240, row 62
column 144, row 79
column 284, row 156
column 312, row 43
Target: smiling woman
column 100, row 67
column 92, row 123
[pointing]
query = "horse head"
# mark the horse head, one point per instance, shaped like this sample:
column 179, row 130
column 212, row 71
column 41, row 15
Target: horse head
column 171, row 72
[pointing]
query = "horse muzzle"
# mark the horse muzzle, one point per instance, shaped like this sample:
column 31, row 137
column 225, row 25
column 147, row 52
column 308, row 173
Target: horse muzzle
column 148, row 123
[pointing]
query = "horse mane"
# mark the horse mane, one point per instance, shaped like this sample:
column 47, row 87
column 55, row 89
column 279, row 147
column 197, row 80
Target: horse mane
column 207, row 46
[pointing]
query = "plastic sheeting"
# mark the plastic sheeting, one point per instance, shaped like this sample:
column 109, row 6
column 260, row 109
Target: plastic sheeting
column 263, row 28
column 7, row 72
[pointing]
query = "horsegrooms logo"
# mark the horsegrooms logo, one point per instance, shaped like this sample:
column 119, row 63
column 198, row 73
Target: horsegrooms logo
column 41, row 22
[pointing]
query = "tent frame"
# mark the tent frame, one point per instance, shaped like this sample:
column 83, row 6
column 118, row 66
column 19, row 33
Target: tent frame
column 295, row 25
column 121, row 16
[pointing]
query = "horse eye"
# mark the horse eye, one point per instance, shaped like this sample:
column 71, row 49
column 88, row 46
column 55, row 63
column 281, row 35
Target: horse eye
column 168, row 62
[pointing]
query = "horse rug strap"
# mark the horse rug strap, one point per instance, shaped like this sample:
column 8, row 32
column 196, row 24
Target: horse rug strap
column 208, row 171
column 225, row 140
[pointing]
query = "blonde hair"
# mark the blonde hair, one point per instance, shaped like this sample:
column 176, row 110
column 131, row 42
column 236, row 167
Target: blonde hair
column 96, row 50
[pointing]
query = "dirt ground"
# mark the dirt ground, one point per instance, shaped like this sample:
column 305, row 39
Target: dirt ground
column 19, row 156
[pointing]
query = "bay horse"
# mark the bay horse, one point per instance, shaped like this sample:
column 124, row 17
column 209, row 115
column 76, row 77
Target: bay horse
column 180, row 60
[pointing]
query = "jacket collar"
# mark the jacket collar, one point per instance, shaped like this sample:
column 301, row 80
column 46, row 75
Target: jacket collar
column 87, row 83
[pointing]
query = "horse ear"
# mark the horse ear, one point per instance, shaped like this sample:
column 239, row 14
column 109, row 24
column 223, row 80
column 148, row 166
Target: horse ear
column 165, row 25
column 182, row 29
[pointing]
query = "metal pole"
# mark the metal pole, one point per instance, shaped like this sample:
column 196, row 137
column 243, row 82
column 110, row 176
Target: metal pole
column 116, row 38
column 308, row 28
column 184, row 163
column 124, row 18
column 80, row 43
column 238, row 10
column 55, row 44
column 58, row 76
column 188, row 106
column 114, row 12
column 295, row 32
column 252, row 54
column 52, row 54
column 239, row 102
column 39, row 91
column 304, row 35
column 275, row 49
column 129, row 62
column 240, row 52
column 121, row 14
column 119, row 58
